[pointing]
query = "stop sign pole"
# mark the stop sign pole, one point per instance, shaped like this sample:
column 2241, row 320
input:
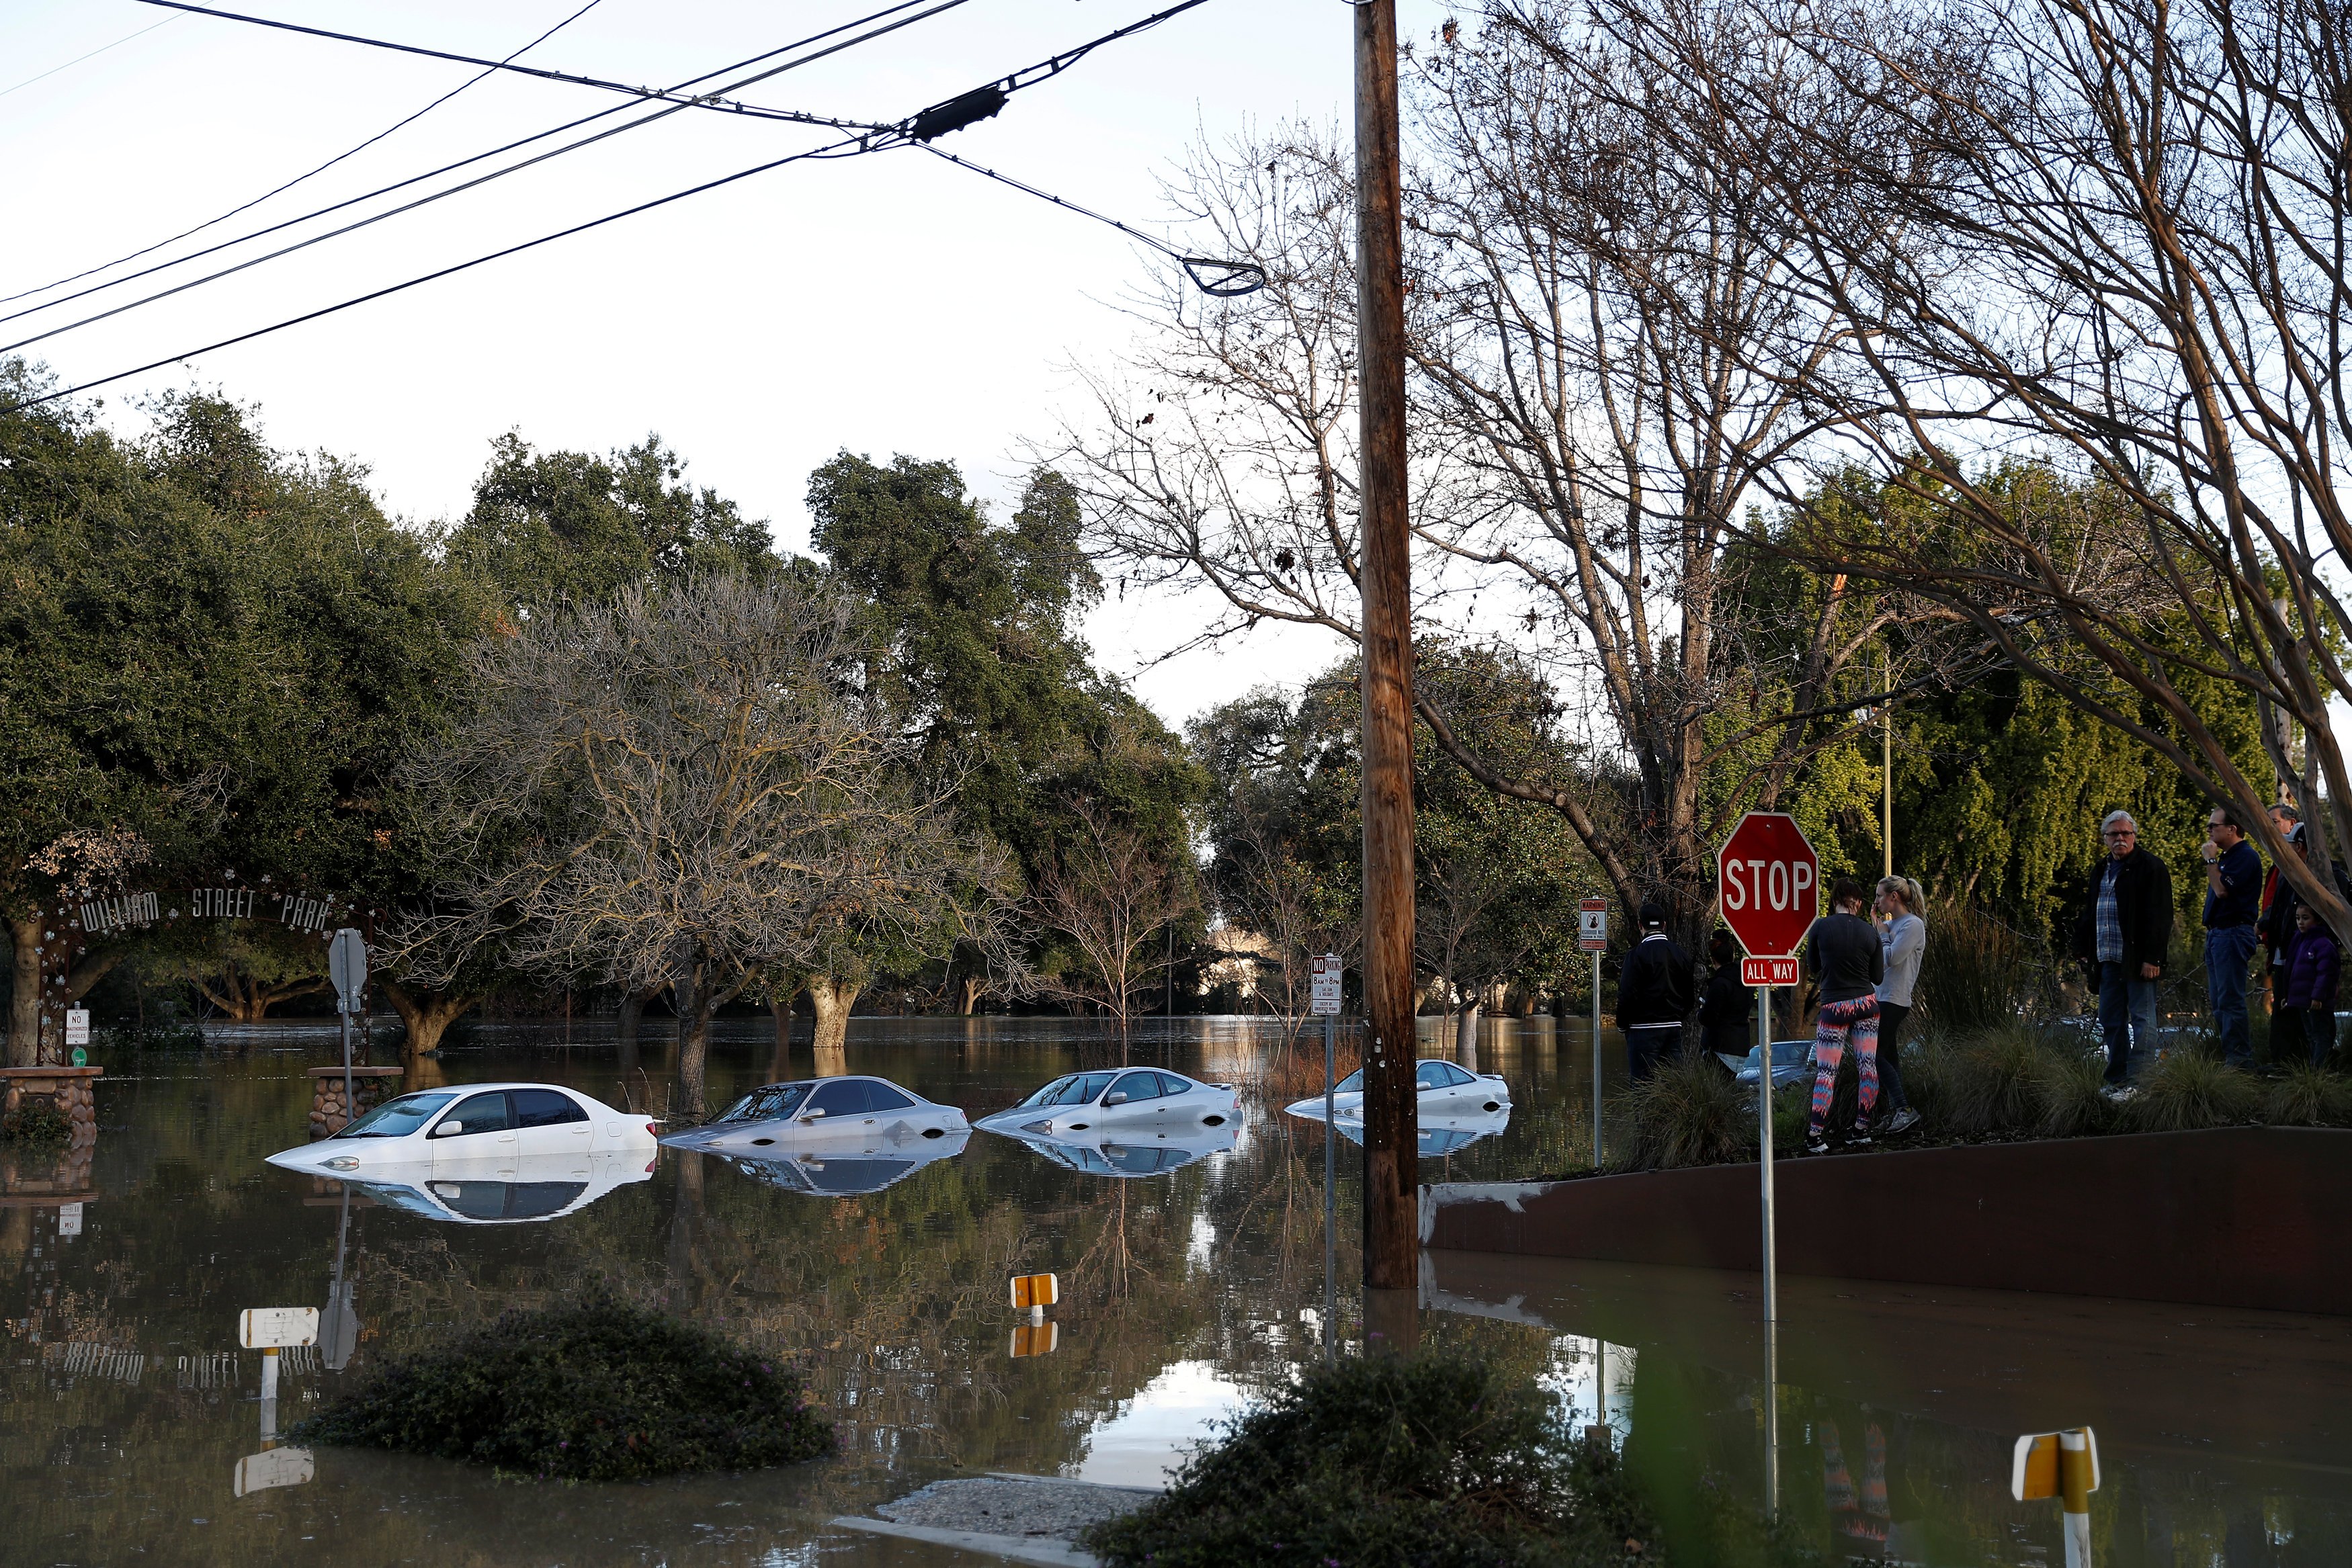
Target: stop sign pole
column 1767, row 890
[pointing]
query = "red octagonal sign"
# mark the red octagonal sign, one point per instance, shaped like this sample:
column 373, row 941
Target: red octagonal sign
column 1768, row 883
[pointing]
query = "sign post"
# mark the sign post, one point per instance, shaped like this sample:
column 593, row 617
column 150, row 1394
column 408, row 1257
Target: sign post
column 1324, row 976
column 1767, row 890
column 2063, row 1464
column 1592, row 936
column 347, row 966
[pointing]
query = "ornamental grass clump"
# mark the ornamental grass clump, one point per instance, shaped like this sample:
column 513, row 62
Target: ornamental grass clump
column 1427, row 1463
column 2188, row 1089
column 593, row 1392
column 1690, row 1111
column 2308, row 1096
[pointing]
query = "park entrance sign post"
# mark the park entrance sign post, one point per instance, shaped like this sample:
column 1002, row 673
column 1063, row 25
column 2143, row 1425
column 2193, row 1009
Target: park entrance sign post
column 1767, row 890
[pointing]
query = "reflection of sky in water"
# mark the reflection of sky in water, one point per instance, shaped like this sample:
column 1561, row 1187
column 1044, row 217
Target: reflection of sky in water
column 1138, row 1445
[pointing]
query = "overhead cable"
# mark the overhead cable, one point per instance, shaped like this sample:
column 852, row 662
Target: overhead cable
column 1225, row 279
column 266, row 196
column 77, row 60
column 667, row 94
column 474, row 158
column 661, row 113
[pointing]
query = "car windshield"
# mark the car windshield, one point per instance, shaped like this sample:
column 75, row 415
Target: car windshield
column 397, row 1118
column 767, row 1102
column 1351, row 1084
column 1043, row 1096
column 1077, row 1088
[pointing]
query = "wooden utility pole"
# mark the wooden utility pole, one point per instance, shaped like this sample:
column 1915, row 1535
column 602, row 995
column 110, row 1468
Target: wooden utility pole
column 1391, row 1165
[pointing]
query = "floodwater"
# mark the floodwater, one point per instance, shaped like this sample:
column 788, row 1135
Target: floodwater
column 126, row 1407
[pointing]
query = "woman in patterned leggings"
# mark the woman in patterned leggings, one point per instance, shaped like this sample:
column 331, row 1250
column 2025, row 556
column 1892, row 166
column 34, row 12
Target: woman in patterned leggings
column 1843, row 953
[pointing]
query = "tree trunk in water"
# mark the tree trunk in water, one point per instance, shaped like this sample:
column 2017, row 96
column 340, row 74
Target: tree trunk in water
column 25, row 1002
column 780, row 1008
column 627, row 1022
column 1465, row 1037
column 693, row 1039
column 972, row 985
column 684, row 1238
column 425, row 1016
column 832, row 997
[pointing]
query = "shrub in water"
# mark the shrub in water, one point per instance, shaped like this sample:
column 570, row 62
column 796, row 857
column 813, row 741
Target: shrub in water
column 1389, row 1463
column 2188, row 1089
column 2308, row 1096
column 36, row 1123
column 1691, row 1112
column 600, row 1391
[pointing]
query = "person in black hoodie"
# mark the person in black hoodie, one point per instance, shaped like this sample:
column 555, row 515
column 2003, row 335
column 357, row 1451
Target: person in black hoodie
column 1843, row 952
column 2122, row 934
column 1724, row 1011
column 1654, row 995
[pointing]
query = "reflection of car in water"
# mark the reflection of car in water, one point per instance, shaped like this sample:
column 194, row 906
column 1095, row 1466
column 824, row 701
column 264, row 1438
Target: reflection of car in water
column 1133, row 1100
column 527, row 1188
column 1439, row 1135
column 1440, row 1089
column 481, row 1122
column 842, row 1114
column 832, row 1168
column 1130, row 1151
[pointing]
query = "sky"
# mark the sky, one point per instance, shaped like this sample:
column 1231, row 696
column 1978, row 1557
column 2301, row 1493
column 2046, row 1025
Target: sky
column 882, row 303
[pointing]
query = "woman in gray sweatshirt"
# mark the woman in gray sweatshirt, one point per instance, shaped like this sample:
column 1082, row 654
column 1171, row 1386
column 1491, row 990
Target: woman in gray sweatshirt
column 1843, row 953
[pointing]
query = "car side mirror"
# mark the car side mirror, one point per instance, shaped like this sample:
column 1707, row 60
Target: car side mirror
column 1116, row 1097
column 448, row 1129
column 811, row 1115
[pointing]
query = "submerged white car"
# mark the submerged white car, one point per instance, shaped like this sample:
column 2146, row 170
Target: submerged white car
column 521, row 1191
column 820, row 1114
column 1440, row 1089
column 1130, row 1151
column 477, row 1125
column 826, row 1165
column 1147, row 1098
column 1439, row 1135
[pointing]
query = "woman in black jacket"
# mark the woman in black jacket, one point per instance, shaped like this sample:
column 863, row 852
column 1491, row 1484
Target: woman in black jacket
column 1843, row 952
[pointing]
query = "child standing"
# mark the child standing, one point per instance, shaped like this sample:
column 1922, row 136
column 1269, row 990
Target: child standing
column 2312, row 964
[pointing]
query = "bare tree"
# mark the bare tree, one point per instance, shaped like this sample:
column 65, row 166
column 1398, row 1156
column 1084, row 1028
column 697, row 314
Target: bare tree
column 688, row 786
column 1113, row 894
column 2114, row 236
column 1583, row 456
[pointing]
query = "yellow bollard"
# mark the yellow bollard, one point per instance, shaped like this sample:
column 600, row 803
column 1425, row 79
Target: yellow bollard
column 2063, row 1464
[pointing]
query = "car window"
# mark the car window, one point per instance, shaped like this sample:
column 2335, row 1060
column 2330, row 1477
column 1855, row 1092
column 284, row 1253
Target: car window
column 843, row 1097
column 1044, row 1096
column 1456, row 1076
column 1171, row 1084
column 1082, row 1089
column 1351, row 1084
column 1431, row 1075
column 883, row 1097
column 545, row 1108
column 856, row 1176
column 397, row 1118
column 479, row 1114
column 474, row 1200
column 1138, row 1086
column 767, row 1102
column 537, row 1199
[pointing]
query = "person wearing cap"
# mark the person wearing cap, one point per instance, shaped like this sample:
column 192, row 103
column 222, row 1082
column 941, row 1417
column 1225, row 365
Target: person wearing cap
column 1653, row 994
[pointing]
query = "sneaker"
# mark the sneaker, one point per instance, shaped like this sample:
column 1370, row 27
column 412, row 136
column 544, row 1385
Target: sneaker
column 1817, row 1146
column 1900, row 1123
column 1857, row 1139
column 2119, row 1093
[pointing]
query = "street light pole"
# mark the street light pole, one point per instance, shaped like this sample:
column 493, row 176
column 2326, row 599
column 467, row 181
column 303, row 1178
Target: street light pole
column 1392, row 1174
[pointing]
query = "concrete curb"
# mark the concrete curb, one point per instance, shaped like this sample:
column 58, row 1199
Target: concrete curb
column 1013, row 1548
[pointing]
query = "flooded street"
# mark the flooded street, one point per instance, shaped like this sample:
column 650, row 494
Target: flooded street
column 1186, row 1283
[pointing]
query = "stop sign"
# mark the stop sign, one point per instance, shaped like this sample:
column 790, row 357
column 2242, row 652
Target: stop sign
column 1768, row 883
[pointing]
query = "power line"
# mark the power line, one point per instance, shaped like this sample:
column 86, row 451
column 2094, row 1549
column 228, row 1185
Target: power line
column 853, row 146
column 462, row 163
column 1225, row 279
column 77, row 60
column 832, row 148
column 700, row 100
column 289, row 184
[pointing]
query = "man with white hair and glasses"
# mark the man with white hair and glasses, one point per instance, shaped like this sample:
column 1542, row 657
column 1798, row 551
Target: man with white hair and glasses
column 2123, row 934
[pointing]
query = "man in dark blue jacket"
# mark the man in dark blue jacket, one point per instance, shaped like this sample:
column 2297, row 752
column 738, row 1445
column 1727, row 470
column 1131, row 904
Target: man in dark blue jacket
column 1654, row 995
